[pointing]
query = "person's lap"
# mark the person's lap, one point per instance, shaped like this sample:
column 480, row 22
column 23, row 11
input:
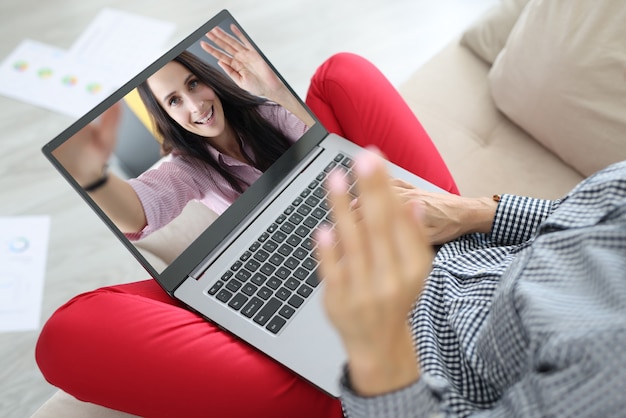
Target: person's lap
column 133, row 348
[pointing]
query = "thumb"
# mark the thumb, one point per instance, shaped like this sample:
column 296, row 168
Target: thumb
column 108, row 126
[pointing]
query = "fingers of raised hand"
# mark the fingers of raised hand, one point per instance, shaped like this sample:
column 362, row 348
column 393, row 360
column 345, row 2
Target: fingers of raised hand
column 218, row 54
column 350, row 245
column 390, row 225
column 387, row 247
column 225, row 41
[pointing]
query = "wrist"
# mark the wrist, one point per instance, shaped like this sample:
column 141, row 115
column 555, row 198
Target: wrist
column 376, row 372
column 99, row 182
column 482, row 214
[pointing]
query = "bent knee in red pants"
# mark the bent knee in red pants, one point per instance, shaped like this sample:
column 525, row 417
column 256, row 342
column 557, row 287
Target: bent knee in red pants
column 352, row 98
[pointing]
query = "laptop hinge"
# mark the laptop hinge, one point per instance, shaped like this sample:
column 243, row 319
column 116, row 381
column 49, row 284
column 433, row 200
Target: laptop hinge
column 228, row 241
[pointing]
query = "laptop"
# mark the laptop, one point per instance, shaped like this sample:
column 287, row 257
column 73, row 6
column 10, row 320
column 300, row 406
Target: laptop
column 252, row 271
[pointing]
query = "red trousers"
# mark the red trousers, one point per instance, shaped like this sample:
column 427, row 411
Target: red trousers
column 132, row 348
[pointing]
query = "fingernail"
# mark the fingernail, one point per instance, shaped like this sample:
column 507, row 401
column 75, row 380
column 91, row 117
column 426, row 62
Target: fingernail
column 336, row 182
column 324, row 236
column 365, row 163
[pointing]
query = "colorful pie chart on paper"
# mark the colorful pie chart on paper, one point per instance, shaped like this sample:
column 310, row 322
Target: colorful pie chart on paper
column 44, row 73
column 94, row 88
column 69, row 80
column 20, row 66
column 19, row 245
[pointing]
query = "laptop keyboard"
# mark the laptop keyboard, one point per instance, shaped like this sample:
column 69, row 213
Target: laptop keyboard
column 277, row 274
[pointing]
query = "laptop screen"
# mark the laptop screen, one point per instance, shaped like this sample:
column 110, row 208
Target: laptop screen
column 183, row 151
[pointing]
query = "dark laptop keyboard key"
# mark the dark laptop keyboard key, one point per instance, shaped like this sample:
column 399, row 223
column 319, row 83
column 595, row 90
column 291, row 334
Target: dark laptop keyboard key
column 304, row 291
column 282, row 272
column 283, row 293
column 287, row 227
column 243, row 275
column 277, row 259
column 249, row 289
column 304, row 210
column 292, row 283
column 309, row 263
column 268, row 269
column 312, row 201
column 279, row 236
column 252, row 307
column 311, row 222
column 216, row 286
column 285, row 249
column 258, row 279
column 273, row 283
column 300, row 253
column 261, row 255
column 301, row 274
column 237, row 302
column 245, row 256
column 291, row 263
column 275, row 324
column 252, row 265
column 233, row 285
column 308, row 244
column 264, row 293
column 286, row 311
column 267, row 311
column 224, row 295
column 302, row 231
column 270, row 246
column 294, row 240
column 313, row 280
column 320, row 192
column 295, row 301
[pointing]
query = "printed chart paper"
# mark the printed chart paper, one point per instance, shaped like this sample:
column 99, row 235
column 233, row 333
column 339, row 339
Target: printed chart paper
column 114, row 47
column 23, row 251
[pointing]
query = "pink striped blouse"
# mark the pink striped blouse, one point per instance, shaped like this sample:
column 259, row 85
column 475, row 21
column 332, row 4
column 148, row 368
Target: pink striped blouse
column 164, row 191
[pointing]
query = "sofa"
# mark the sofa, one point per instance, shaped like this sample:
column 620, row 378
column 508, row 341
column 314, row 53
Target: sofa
column 530, row 100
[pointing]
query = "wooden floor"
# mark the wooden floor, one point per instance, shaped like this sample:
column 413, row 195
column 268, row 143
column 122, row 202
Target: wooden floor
column 297, row 35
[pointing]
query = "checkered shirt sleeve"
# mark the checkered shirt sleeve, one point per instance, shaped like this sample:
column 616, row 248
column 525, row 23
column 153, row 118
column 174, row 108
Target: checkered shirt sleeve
column 529, row 320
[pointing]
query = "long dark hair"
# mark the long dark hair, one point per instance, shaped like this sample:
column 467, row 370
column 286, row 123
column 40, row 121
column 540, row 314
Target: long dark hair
column 241, row 110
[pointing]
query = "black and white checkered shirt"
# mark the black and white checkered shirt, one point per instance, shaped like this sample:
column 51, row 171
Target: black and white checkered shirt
column 529, row 320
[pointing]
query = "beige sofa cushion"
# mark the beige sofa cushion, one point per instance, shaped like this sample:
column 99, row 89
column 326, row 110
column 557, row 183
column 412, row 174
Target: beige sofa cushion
column 485, row 152
column 170, row 241
column 487, row 36
column 562, row 78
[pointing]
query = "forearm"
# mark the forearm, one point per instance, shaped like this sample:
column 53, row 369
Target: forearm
column 287, row 100
column 119, row 201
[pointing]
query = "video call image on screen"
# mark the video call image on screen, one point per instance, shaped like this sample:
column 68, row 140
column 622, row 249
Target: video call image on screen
column 166, row 160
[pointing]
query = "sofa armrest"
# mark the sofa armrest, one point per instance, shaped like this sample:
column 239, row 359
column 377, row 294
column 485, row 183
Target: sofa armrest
column 64, row 405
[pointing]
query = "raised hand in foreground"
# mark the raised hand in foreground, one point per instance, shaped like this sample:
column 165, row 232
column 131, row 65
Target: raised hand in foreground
column 374, row 269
